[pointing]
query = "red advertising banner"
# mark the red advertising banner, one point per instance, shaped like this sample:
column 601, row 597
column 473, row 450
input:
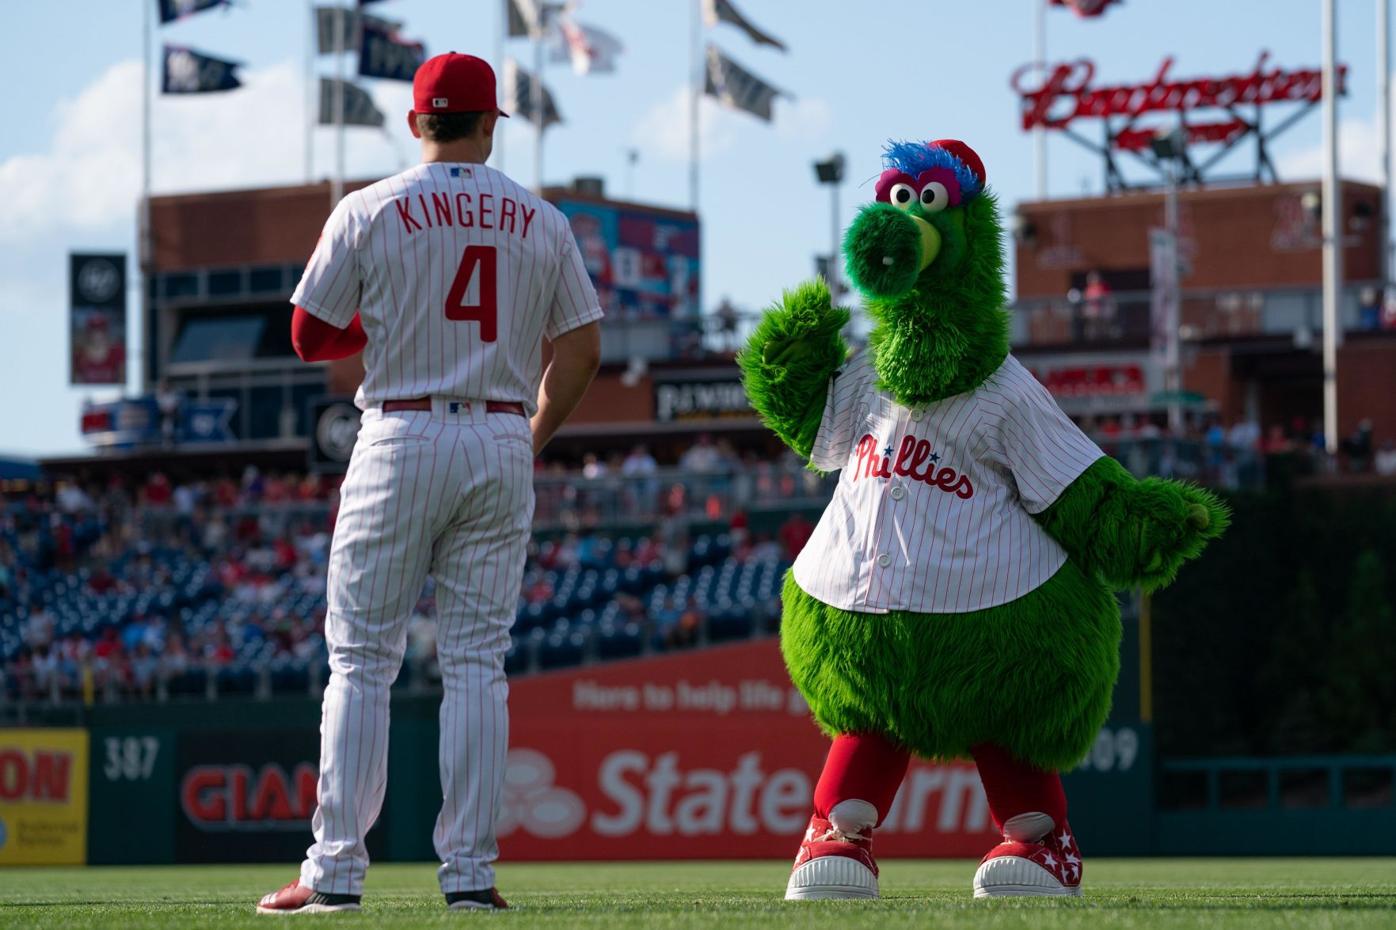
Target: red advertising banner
column 708, row 754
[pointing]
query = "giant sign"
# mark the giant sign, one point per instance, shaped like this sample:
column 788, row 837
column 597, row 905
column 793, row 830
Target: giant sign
column 248, row 796
column 706, row 754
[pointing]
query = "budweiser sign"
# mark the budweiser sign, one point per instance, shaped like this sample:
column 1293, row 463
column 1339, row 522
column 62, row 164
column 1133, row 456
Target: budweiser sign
column 1055, row 96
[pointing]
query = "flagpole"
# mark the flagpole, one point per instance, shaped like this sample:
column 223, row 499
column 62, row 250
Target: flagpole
column 146, row 258
column 1039, row 134
column 1332, row 230
column 1384, row 131
column 337, row 185
column 499, row 39
column 695, row 64
column 311, row 94
column 536, row 92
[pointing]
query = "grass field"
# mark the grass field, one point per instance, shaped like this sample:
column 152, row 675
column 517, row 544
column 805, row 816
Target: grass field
column 1121, row 893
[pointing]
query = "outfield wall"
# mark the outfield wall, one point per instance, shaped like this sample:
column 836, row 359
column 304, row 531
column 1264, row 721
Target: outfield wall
column 708, row 753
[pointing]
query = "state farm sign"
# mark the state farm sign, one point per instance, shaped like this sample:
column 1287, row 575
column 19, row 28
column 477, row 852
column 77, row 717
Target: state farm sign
column 674, row 757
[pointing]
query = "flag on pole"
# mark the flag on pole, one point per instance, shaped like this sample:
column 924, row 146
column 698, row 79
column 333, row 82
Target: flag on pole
column 330, row 18
column 525, row 17
column 518, row 96
column 359, row 108
column 1086, row 9
column 738, row 88
column 171, row 10
column 189, row 72
column 383, row 54
column 590, row 50
column 722, row 11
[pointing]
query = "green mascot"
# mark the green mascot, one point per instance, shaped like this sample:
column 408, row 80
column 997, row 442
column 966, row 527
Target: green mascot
column 956, row 599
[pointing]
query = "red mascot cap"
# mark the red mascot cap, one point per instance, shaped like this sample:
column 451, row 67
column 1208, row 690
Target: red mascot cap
column 965, row 154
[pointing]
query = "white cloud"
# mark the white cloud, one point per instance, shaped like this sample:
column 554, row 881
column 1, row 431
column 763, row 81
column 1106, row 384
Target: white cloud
column 78, row 189
column 1359, row 154
column 664, row 128
column 89, row 176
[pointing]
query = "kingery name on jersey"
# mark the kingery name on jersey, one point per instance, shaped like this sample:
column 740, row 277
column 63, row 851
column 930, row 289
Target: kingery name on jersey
column 460, row 209
column 911, row 456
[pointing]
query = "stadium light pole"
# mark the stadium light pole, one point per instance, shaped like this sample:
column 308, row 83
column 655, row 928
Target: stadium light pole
column 1169, row 148
column 1332, row 229
column 830, row 172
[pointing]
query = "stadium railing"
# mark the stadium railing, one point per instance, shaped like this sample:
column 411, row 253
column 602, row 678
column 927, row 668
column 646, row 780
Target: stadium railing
column 1297, row 805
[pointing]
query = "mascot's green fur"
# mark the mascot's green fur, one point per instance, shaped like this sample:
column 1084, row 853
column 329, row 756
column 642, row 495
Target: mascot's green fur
column 1033, row 675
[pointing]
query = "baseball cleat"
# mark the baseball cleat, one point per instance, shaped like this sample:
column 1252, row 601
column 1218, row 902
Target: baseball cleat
column 833, row 865
column 296, row 898
column 1048, row 868
column 486, row 899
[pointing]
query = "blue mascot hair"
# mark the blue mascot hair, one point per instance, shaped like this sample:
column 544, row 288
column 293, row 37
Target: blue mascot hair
column 916, row 157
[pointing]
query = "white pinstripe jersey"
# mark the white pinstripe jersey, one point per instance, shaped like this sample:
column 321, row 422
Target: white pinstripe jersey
column 457, row 273
column 933, row 509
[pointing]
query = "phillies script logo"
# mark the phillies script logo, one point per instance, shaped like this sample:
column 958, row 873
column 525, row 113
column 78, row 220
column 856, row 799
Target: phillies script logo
column 914, row 460
column 220, row 798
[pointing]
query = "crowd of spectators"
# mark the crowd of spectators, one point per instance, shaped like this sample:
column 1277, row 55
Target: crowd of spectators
column 711, row 480
column 97, row 582
column 1239, row 454
column 122, row 586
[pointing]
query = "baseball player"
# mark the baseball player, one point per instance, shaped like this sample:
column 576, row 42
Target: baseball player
column 448, row 277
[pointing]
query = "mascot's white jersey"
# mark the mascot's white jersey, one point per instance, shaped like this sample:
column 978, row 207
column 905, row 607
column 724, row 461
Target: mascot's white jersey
column 458, row 272
column 933, row 509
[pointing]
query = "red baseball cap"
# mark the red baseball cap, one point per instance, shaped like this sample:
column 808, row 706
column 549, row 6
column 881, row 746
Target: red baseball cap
column 453, row 83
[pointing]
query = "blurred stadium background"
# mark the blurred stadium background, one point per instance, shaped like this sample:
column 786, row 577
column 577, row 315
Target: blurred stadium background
column 163, row 596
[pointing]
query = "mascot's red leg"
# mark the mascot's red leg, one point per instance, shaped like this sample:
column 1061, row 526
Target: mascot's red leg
column 865, row 767
column 854, row 794
column 1038, row 855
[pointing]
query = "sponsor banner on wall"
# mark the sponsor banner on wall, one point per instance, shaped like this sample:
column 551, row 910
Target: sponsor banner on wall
column 248, row 795
column 97, row 318
column 148, row 421
column 43, row 797
column 644, row 264
column 708, row 754
column 708, row 399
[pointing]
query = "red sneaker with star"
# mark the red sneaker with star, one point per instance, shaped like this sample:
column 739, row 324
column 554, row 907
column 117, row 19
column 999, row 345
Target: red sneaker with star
column 296, row 898
column 833, row 865
column 1052, row 866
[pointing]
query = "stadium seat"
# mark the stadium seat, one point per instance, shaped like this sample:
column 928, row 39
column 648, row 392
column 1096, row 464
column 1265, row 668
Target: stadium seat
column 563, row 648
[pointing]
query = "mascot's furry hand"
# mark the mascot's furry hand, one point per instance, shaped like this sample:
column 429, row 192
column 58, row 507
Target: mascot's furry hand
column 1133, row 532
column 787, row 362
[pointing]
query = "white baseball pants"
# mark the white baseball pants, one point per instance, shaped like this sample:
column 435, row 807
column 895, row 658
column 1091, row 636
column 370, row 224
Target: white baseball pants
column 447, row 492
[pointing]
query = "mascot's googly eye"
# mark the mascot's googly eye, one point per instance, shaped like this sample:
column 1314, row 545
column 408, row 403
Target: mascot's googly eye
column 902, row 195
column 934, row 197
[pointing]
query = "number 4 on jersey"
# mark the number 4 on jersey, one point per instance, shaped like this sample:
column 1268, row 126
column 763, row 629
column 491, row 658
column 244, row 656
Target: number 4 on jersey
column 480, row 263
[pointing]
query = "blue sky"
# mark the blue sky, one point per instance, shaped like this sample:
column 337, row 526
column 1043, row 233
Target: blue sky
column 859, row 74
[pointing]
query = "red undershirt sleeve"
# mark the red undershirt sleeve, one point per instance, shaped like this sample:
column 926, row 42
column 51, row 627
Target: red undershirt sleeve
column 317, row 341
